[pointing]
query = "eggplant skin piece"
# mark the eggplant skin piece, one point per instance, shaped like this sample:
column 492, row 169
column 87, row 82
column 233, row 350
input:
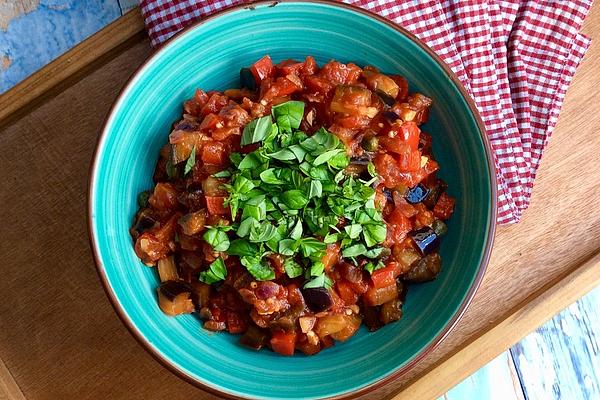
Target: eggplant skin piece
column 317, row 299
column 417, row 194
column 424, row 270
column 174, row 298
column 426, row 240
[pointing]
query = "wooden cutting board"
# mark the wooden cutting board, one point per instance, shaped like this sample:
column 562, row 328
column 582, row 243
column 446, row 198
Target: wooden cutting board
column 59, row 336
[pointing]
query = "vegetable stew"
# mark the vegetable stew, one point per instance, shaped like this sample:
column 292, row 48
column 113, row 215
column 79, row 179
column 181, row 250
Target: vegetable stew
column 297, row 207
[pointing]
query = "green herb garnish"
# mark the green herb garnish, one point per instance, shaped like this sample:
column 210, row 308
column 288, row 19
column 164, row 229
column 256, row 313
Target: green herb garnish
column 216, row 272
column 289, row 195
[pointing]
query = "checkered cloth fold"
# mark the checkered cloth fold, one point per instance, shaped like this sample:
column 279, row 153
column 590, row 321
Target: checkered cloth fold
column 516, row 58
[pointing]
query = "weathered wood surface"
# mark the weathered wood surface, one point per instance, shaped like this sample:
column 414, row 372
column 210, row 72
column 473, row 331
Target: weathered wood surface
column 561, row 359
column 538, row 267
column 498, row 380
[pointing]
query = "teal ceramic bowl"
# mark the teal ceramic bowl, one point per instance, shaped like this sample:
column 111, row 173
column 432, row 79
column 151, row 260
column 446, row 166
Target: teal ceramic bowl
column 209, row 55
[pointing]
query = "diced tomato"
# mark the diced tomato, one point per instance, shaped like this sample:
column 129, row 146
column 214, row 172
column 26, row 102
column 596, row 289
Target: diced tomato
column 183, row 144
column 444, row 207
column 378, row 296
column 310, row 65
column 210, row 121
column 215, row 205
column 424, row 216
column 214, row 104
column 353, row 100
column 194, row 105
column 398, row 227
column 164, row 197
column 340, row 74
column 281, row 87
column 409, row 161
column 386, row 276
column 344, row 289
column 316, row 84
column 233, row 115
column 213, row 187
column 215, row 153
column 331, row 257
column 290, row 67
column 283, row 342
column 262, row 69
column 387, row 167
column 224, row 133
column 235, row 324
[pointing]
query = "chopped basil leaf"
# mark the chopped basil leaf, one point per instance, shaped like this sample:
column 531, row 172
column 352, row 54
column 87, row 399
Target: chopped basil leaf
column 292, row 268
column 324, row 157
column 288, row 115
column 371, row 169
column 242, row 247
column 288, row 247
column 315, row 189
column 296, row 232
column 355, row 250
column 353, row 231
column 317, row 282
column 256, row 130
column 269, row 176
column 217, row 238
column 191, row 161
column 283, row 154
column 374, row 234
column 317, row 268
column 263, row 233
column 373, row 267
column 222, row 174
column 294, row 199
column 258, row 268
column 216, row 272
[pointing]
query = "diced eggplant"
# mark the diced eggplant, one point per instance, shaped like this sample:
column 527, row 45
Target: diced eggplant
column 417, row 194
column 434, row 194
column 424, row 270
column 167, row 271
column 317, row 299
column 390, row 311
column 353, row 322
column 439, row 227
column 200, row 294
column 388, row 194
column 143, row 221
column 174, row 298
column 247, row 79
column 390, row 116
column 307, row 323
column 425, row 239
column 255, row 337
column 386, row 98
column 371, row 318
column 402, row 288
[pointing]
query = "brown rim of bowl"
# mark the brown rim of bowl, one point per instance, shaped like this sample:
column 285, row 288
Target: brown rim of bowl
column 491, row 218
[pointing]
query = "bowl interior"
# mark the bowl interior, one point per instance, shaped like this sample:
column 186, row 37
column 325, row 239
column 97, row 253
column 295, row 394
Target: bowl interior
column 209, row 56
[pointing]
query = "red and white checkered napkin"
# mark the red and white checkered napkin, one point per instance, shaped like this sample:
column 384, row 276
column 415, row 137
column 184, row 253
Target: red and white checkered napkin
column 515, row 57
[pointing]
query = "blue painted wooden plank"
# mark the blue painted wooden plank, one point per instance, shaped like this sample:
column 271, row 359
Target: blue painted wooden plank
column 561, row 359
column 33, row 39
column 127, row 5
column 496, row 381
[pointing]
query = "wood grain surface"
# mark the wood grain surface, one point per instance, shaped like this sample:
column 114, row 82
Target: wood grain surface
column 60, row 339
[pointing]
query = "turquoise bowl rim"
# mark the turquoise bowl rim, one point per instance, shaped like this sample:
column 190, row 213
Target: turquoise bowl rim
column 491, row 218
